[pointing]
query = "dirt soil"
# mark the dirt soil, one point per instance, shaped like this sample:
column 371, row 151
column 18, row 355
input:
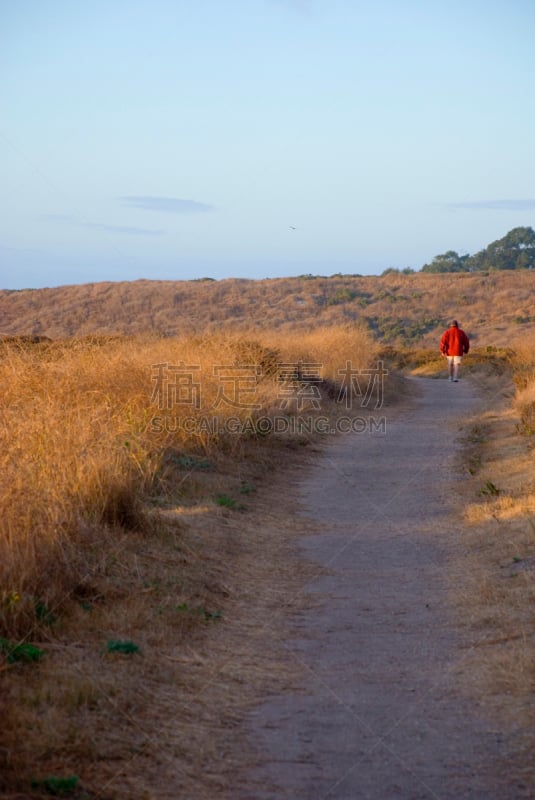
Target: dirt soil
column 379, row 713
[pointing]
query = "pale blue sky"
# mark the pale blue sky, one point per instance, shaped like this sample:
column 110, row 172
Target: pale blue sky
column 176, row 139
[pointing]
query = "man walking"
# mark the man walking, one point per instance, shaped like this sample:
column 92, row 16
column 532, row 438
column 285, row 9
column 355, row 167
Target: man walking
column 454, row 344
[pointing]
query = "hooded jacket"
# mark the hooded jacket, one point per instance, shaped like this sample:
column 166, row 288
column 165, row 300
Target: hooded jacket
column 454, row 342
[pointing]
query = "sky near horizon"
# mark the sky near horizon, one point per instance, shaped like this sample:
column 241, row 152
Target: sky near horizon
column 180, row 139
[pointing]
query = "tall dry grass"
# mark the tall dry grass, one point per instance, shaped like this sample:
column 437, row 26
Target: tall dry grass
column 524, row 377
column 81, row 453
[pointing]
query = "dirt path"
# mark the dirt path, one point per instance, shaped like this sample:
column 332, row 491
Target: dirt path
column 379, row 716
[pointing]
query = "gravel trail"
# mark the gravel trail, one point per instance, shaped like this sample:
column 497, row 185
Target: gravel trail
column 379, row 715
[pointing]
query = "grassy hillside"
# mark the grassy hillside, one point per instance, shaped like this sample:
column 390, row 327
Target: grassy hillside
column 494, row 307
column 129, row 531
column 146, row 569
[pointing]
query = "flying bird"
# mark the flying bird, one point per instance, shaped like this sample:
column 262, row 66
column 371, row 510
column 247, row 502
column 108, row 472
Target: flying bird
column 292, row 228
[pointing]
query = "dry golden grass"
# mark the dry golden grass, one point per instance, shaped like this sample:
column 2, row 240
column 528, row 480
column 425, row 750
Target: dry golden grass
column 109, row 531
column 81, row 448
column 524, row 364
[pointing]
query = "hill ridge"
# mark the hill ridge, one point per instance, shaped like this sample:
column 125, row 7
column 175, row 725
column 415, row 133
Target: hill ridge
column 494, row 307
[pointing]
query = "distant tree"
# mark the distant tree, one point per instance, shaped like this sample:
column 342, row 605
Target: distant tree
column 516, row 250
column 447, row 262
column 407, row 271
column 389, row 271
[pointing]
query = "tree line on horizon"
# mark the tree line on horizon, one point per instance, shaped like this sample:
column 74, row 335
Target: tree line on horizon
column 516, row 250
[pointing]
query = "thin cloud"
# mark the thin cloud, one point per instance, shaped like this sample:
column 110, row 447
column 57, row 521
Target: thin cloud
column 299, row 6
column 128, row 230
column 498, row 205
column 170, row 205
column 63, row 218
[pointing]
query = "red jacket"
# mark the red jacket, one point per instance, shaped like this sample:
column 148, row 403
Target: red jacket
column 454, row 342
